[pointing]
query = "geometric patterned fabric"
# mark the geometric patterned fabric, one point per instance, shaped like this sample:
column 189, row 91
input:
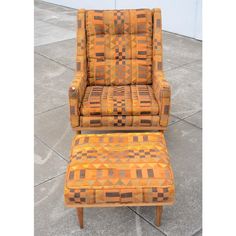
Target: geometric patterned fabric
column 119, row 168
column 119, row 121
column 119, row 100
column 119, row 47
column 119, row 79
column 131, row 105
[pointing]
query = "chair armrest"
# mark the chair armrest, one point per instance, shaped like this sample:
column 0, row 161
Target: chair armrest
column 76, row 94
column 161, row 87
column 78, row 85
column 162, row 92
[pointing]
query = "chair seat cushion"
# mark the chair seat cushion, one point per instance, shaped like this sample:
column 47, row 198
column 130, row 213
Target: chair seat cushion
column 119, row 100
column 119, row 168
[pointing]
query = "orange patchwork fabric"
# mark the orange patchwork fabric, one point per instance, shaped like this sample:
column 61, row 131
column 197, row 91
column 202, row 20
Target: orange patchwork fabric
column 119, row 121
column 125, row 72
column 119, row 47
column 119, row 79
column 135, row 21
column 119, row 168
column 79, row 83
column 119, row 100
column 160, row 86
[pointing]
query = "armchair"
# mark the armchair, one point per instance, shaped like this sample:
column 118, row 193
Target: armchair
column 119, row 83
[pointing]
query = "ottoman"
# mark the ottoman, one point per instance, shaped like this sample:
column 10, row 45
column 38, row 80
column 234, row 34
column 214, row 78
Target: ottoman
column 119, row 169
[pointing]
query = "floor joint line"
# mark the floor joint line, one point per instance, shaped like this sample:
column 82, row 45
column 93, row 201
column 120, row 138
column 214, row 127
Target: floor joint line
column 53, row 60
column 147, row 221
column 175, row 122
column 51, row 148
column 185, row 116
column 192, row 124
column 183, row 65
column 50, row 23
column 52, row 109
column 46, row 44
column 45, row 181
column 184, row 119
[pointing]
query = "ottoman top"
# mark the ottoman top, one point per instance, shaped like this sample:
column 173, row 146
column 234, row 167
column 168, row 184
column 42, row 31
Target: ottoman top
column 119, row 161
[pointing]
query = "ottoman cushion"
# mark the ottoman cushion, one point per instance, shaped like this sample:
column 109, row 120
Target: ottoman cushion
column 118, row 168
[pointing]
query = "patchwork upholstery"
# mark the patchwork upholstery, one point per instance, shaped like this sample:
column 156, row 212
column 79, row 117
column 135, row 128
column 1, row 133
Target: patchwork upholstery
column 119, row 100
column 160, row 86
column 78, row 85
column 162, row 93
column 119, row 78
column 119, row 47
column 119, row 168
column 119, row 121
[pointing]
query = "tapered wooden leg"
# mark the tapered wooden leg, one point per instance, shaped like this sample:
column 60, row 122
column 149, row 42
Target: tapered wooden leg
column 159, row 210
column 80, row 215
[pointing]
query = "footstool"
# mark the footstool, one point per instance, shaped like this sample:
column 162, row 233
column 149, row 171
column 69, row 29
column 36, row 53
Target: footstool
column 119, row 169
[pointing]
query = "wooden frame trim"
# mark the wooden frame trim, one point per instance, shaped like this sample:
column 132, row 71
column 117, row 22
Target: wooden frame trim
column 166, row 203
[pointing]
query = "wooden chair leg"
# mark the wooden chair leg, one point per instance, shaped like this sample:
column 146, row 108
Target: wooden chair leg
column 80, row 215
column 159, row 210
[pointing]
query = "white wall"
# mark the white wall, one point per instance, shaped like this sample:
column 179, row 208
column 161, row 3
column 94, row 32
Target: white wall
column 179, row 16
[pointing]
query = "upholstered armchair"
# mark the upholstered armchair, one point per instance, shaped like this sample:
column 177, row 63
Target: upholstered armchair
column 119, row 82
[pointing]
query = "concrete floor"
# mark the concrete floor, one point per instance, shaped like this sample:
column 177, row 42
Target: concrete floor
column 54, row 69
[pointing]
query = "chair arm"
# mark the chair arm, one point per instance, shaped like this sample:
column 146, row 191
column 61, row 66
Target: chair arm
column 76, row 94
column 162, row 92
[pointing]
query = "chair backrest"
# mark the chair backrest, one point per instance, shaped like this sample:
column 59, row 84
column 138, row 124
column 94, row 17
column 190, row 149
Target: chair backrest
column 119, row 46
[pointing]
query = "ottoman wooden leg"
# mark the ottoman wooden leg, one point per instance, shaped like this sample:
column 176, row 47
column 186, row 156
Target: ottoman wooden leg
column 80, row 215
column 78, row 131
column 159, row 210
